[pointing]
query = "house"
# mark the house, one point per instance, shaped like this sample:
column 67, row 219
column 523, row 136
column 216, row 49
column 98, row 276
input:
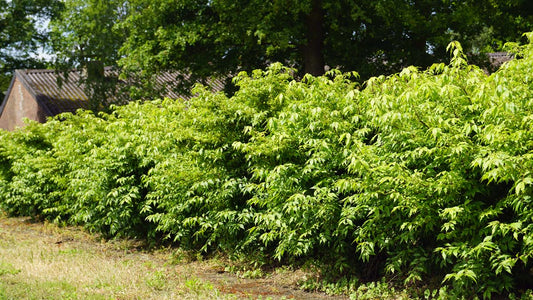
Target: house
column 38, row 94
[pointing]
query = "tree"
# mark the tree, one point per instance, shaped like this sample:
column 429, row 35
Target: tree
column 23, row 34
column 373, row 37
column 220, row 37
column 84, row 37
column 85, row 32
column 207, row 38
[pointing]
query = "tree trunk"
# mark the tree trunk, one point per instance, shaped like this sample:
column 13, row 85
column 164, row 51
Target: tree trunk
column 313, row 54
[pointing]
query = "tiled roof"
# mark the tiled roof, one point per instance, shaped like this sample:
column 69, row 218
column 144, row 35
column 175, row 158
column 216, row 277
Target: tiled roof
column 43, row 84
column 69, row 96
column 498, row 58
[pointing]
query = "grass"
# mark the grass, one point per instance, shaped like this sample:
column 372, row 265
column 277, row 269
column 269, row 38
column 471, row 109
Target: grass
column 44, row 261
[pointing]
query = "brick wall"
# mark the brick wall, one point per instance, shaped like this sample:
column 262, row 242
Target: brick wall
column 20, row 104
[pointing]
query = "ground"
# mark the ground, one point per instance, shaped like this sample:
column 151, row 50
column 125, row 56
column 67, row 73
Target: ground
column 44, row 261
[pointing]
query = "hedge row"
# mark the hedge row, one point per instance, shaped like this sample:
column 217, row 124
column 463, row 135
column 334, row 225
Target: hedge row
column 421, row 175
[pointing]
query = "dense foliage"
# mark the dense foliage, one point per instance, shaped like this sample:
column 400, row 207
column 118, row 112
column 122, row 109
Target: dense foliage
column 417, row 176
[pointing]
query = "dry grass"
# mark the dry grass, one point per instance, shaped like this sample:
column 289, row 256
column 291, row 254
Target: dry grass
column 44, row 261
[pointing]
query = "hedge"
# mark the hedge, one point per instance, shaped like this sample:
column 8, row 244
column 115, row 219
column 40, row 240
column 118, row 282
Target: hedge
column 420, row 176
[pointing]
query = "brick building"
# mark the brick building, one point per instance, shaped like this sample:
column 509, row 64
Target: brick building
column 37, row 95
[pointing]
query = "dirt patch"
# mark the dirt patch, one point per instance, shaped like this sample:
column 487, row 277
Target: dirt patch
column 270, row 287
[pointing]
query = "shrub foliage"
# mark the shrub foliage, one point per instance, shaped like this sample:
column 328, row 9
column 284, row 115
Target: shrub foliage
column 422, row 174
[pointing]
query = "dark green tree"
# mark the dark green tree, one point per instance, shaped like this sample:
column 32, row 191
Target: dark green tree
column 373, row 37
column 84, row 38
column 23, row 35
column 220, row 37
column 207, row 38
column 85, row 32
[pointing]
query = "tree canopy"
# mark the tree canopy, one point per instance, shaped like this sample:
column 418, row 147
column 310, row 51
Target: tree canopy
column 203, row 38
column 371, row 37
column 23, row 34
column 85, row 37
column 85, row 32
